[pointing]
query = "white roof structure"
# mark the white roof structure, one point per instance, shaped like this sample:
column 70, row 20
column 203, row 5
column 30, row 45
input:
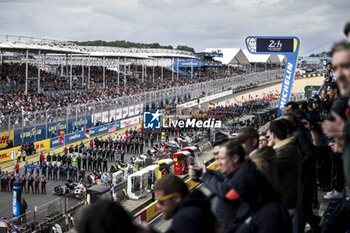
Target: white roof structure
column 261, row 58
column 20, row 44
column 230, row 56
column 282, row 58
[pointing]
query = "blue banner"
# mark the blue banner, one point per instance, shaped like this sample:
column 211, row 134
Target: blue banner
column 55, row 142
column 56, row 127
column 287, row 46
column 16, row 199
column 98, row 130
column 72, row 137
column 29, row 134
column 78, row 123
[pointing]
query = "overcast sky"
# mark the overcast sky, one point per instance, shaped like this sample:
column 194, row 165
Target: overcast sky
column 197, row 23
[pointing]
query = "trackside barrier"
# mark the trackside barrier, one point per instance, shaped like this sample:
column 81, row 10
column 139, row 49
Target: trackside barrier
column 150, row 212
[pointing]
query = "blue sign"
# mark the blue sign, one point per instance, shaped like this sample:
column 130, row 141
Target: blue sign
column 16, row 199
column 29, row 134
column 72, row 137
column 79, row 122
column 39, row 132
column 287, row 46
column 98, row 130
column 151, row 120
column 56, row 142
column 56, row 127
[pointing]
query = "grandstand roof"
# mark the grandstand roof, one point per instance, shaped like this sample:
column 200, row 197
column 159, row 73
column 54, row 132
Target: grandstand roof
column 21, row 44
column 230, row 56
column 261, row 58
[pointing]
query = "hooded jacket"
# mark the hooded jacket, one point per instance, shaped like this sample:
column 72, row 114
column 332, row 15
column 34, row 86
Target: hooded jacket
column 264, row 159
column 193, row 215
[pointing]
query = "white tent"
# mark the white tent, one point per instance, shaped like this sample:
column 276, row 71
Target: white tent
column 230, row 56
column 261, row 58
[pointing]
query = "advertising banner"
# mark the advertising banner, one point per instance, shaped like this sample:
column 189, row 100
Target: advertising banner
column 29, row 134
column 129, row 122
column 5, row 155
column 97, row 117
column 287, row 46
column 4, row 137
column 113, row 127
column 44, row 145
column 132, row 111
column 125, row 112
column 56, row 142
column 56, row 127
column 98, row 130
column 72, row 137
column 105, row 117
column 137, row 109
column 118, row 114
column 112, row 116
column 79, row 122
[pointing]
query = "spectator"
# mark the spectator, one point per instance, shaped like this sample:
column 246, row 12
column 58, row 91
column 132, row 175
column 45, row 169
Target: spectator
column 111, row 218
column 288, row 162
column 264, row 158
column 190, row 211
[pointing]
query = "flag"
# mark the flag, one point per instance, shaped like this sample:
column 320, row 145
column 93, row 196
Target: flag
column 13, row 154
column 61, row 139
column 227, row 102
column 87, row 134
column 211, row 105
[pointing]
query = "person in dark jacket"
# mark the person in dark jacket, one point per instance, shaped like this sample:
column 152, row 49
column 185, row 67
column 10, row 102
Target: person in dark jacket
column 190, row 211
column 247, row 201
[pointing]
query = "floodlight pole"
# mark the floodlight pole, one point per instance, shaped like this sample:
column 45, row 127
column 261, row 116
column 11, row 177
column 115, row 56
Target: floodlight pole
column 26, row 74
column 104, row 72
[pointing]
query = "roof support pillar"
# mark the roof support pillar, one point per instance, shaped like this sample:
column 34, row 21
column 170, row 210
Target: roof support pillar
column 118, row 71
column 177, row 64
column 82, row 74
column 124, row 71
column 104, row 72
column 89, row 73
column 26, row 75
column 71, row 73
column 172, row 69
column 162, row 73
column 39, row 67
column 153, row 70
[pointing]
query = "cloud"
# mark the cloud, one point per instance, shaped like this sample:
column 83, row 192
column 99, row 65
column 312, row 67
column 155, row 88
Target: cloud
column 196, row 23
